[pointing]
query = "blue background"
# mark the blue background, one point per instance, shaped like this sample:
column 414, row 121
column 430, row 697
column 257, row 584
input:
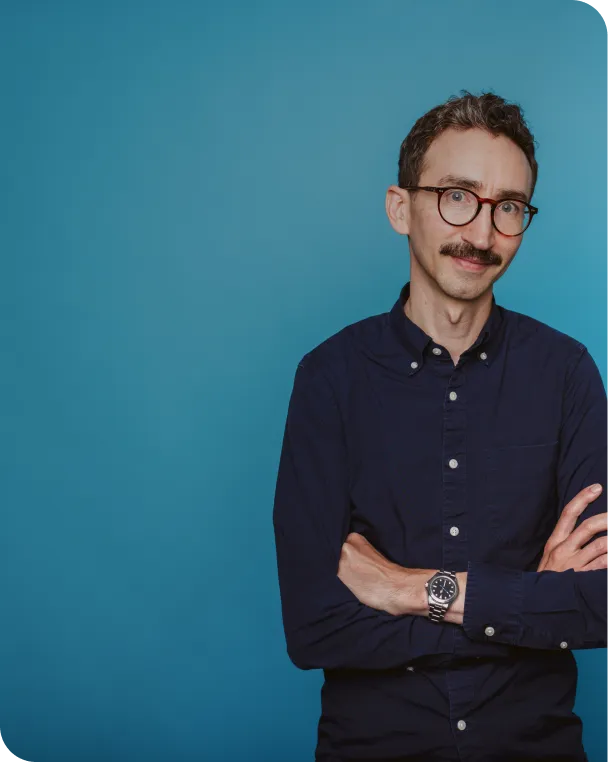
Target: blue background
column 192, row 198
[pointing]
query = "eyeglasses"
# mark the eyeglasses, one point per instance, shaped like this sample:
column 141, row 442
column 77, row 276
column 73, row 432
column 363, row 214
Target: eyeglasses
column 459, row 206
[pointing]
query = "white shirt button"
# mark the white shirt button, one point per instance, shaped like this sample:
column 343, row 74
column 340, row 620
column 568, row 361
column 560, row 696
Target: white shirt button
column 461, row 724
column 454, row 531
column 453, row 396
column 563, row 644
column 410, row 669
column 483, row 356
column 453, row 463
column 489, row 631
column 436, row 351
column 414, row 364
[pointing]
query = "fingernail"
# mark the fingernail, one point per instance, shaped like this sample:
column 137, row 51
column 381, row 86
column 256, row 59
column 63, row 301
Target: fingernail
column 596, row 488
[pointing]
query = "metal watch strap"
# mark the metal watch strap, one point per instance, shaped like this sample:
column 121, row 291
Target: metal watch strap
column 437, row 611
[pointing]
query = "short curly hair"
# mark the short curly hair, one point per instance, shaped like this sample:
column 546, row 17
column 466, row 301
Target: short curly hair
column 487, row 111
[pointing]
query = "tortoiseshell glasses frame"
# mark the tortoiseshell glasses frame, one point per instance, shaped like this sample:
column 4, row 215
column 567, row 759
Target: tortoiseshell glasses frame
column 532, row 210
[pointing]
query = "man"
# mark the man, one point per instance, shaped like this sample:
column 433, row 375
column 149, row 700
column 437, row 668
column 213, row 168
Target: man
column 440, row 551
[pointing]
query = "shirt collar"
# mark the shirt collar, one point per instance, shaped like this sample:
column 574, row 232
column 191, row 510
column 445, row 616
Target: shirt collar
column 417, row 342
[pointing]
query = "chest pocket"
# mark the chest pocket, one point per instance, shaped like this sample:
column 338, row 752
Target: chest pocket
column 520, row 499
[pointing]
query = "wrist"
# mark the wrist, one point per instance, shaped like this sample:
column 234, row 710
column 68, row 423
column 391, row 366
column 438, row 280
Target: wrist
column 455, row 613
column 410, row 593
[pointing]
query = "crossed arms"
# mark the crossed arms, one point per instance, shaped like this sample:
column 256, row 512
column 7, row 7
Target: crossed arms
column 386, row 586
column 328, row 624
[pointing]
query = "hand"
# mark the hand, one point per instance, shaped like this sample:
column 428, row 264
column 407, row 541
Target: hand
column 564, row 550
column 378, row 582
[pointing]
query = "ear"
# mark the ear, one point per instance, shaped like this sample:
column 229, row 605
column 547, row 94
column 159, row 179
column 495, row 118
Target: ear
column 398, row 205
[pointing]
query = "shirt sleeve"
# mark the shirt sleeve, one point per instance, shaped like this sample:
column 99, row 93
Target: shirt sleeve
column 550, row 609
column 325, row 624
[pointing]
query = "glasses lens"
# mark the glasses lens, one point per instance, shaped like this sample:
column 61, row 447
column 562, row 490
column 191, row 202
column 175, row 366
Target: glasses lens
column 511, row 217
column 457, row 206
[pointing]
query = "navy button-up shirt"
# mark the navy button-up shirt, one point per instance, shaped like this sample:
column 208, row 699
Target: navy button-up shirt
column 464, row 468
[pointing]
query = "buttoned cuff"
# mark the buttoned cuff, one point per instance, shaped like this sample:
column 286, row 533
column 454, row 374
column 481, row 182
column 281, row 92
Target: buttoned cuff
column 551, row 615
column 493, row 603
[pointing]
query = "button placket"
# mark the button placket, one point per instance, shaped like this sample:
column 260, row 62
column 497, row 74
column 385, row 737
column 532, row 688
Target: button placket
column 454, row 472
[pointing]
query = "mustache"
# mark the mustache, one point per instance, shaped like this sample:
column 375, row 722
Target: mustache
column 466, row 251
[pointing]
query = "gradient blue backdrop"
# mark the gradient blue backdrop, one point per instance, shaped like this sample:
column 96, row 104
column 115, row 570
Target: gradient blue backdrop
column 192, row 198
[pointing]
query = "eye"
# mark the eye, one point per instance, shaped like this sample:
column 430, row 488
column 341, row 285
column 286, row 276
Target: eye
column 511, row 207
column 456, row 196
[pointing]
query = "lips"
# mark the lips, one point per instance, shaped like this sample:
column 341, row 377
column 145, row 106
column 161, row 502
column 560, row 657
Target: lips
column 473, row 265
column 472, row 261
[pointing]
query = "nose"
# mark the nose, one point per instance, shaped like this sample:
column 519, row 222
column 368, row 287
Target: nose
column 480, row 232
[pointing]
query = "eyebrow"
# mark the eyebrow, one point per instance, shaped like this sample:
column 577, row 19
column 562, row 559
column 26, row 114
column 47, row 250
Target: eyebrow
column 465, row 182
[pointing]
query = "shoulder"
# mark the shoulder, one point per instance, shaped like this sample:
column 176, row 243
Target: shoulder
column 334, row 355
column 526, row 331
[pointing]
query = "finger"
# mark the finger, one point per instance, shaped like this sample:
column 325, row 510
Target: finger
column 356, row 540
column 592, row 551
column 544, row 560
column 360, row 543
column 600, row 563
column 572, row 511
column 586, row 530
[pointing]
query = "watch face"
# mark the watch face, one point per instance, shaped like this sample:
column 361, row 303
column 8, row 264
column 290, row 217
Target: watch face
column 443, row 588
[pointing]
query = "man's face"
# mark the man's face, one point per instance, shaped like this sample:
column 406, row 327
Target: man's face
column 496, row 164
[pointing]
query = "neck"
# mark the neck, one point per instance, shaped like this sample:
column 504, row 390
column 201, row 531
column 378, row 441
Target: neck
column 453, row 323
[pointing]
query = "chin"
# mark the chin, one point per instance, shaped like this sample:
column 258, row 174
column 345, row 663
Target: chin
column 464, row 288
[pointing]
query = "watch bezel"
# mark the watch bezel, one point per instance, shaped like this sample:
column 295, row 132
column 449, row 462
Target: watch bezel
column 444, row 601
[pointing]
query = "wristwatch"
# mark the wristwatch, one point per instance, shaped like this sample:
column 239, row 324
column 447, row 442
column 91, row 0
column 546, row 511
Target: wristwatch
column 442, row 590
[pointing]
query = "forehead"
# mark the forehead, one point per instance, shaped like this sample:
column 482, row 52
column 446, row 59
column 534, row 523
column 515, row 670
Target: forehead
column 494, row 161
